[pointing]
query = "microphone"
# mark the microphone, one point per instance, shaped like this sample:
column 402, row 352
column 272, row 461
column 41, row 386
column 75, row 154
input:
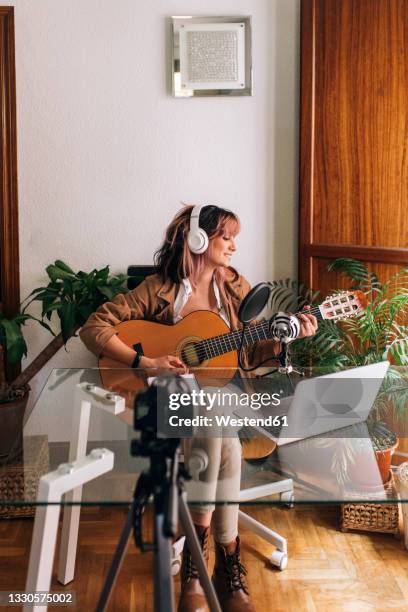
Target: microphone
column 284, row 327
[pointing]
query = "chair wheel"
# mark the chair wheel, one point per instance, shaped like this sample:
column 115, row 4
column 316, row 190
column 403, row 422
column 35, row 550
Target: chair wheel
column 176, row 550
column 175, row 566
column 287, row 497
column 279, row 559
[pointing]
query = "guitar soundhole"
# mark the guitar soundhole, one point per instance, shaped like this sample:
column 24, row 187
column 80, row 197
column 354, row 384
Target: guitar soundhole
column 190, row 354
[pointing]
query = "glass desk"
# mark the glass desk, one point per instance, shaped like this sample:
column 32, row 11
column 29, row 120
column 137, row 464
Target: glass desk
column 75, row 447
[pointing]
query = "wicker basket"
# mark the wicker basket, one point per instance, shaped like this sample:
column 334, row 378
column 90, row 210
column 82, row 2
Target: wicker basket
column 380, row 518
column 19, row 480
column 402, row 484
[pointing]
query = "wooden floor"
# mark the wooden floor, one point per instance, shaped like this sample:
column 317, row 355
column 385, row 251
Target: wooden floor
column 327, row 569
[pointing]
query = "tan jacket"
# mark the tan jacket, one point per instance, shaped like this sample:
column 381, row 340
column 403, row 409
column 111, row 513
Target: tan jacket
column 153, row 300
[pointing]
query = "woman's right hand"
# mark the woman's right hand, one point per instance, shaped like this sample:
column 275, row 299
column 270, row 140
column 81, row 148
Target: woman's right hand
column 168, row 362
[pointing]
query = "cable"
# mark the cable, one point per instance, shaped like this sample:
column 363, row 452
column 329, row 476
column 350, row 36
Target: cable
column 241, row 346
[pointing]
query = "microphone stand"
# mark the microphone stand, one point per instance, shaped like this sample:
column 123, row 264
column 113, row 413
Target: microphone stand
column 285, row 336
column 285, row 366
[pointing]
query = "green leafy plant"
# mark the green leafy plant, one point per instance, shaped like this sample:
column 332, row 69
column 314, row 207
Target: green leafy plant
column 73, row 296
column 11, row 335
column 320, row 350
column 381, row 331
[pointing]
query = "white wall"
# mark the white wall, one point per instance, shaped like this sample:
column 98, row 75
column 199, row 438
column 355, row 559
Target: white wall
column 106, row 154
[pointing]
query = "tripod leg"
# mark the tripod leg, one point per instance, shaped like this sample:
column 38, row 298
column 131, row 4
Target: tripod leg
column 194, row 547
column 116, row 563
column 163, row 579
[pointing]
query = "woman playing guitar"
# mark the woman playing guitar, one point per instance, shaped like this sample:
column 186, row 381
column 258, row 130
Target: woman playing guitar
column 194, row 273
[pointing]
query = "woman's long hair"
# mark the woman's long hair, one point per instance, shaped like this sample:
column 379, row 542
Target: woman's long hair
column 174, row 260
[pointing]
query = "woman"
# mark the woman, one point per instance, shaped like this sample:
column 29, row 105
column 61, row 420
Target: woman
column 194, row 273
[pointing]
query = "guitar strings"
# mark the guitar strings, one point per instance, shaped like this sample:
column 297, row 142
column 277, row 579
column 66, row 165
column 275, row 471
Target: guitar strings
column 218, row 344
column 213, row 347
column 231, row 340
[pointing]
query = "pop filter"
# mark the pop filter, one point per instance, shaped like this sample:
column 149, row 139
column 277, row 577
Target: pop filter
column 254, row 303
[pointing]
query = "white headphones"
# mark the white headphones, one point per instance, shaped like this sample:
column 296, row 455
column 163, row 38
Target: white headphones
column 197, row 238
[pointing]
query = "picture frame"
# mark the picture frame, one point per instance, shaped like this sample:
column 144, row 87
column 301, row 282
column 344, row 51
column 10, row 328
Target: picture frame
column 212, row 56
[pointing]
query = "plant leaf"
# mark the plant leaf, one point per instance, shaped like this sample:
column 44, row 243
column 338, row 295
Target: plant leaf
column 14, row 342
column 63, row 266
column 67, row 318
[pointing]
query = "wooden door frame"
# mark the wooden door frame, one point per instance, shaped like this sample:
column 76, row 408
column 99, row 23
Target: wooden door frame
column 9, row 236
column 309, row 248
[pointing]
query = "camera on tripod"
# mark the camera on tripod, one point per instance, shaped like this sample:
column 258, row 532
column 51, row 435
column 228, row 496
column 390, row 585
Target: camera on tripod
column 145, row 421
column 151, row 417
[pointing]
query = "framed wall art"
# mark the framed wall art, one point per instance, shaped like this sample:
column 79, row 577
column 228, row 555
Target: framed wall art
column 211, row 56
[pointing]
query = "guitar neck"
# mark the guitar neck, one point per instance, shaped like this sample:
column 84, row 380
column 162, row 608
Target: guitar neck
column 219, row 345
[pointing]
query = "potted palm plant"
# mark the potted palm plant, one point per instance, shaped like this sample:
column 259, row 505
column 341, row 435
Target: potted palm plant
column 379, row 333
column 73, row 296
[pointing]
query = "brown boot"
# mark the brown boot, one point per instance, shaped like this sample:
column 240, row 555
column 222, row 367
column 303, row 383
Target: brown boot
column 228, row 579
column 192, row 597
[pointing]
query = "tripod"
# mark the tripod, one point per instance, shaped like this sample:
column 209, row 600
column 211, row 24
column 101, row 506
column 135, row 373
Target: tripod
column 165, row 481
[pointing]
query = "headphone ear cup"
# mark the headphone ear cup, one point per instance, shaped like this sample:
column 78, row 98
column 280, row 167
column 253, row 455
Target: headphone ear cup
column 197, row 241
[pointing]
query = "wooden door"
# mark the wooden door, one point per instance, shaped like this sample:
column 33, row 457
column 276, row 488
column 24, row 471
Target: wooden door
column 354, row 136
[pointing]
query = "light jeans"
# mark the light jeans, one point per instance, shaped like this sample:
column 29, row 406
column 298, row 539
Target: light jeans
column 219, row 482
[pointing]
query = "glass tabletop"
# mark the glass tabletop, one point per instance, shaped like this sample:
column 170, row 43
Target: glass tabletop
column 279, row 438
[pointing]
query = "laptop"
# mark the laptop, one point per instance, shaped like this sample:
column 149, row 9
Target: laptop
column 323, row 404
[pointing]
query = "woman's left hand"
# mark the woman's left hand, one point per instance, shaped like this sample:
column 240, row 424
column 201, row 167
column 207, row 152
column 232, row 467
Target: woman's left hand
column 308, row 324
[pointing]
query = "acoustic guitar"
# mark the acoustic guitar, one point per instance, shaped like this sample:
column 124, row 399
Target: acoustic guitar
column 204, row 342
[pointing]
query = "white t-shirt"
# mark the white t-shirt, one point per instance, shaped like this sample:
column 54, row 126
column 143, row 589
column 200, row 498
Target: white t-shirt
column 183, row 295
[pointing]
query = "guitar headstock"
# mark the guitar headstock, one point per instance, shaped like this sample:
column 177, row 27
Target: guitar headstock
column 343, row 305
